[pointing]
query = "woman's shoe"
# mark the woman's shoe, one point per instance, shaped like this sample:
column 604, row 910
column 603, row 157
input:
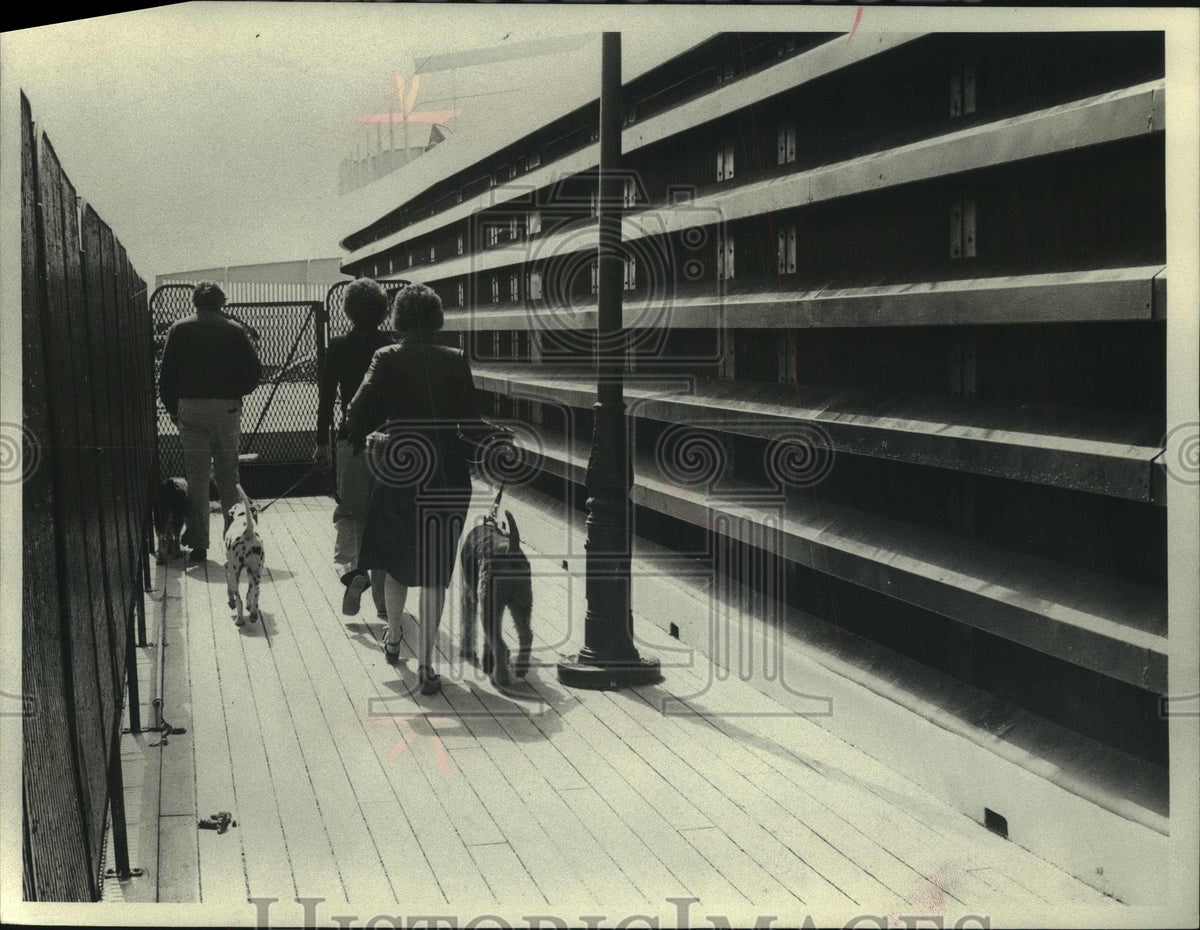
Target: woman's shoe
column 431, row 681
column 391, row 653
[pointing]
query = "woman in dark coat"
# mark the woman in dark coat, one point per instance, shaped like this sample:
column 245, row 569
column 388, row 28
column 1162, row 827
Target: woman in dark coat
column 422, row 485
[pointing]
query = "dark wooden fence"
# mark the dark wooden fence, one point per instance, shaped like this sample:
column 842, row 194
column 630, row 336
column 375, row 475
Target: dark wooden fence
column 87, row 467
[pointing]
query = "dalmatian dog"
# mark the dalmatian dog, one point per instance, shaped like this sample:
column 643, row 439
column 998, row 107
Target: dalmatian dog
column 243, row 551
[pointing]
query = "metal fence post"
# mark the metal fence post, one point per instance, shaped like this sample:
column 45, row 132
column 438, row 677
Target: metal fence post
column 120, row 835
column 131, row 681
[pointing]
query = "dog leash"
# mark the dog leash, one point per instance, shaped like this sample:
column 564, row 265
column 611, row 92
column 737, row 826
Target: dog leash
column 308, row 474
column 493, row 517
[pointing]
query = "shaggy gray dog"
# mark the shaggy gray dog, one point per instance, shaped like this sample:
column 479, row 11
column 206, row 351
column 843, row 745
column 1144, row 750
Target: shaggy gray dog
column 495, row 574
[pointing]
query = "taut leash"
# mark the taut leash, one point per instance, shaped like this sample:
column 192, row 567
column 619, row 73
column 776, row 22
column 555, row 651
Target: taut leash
column 303, row 478
column 495, row 513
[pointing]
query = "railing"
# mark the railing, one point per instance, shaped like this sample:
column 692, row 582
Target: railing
column 87, row 472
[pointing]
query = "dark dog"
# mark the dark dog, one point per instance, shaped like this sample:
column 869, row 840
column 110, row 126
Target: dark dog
column 170, row 517
column 243, row 551
column 495, row 575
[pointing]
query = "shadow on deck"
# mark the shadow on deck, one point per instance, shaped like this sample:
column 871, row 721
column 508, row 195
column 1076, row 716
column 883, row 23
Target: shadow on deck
column 350, row 788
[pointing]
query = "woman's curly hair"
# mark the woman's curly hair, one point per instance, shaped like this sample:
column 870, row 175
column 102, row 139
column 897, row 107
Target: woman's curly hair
column 365, row 302
column 417, row 307
column 208, row 296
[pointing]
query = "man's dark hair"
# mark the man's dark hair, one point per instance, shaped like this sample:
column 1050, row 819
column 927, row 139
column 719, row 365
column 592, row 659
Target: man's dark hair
column 417, row 307
column 208, row 296
column 365, row 302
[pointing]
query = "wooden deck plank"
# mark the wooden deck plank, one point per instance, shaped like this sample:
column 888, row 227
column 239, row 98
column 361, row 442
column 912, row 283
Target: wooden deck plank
column 179, row 884
column 268, row 866
column 749, row 702
column 507, row 876
column 370, row 742
column 455, row 793
column 544, row 755
column 826, row 777
column 693, row 741
column 824, row 855
column 338, row 806
column 656, row 828
column 608, row 728
column 507, row 719
column 646, row 781
column 365, row 675
column 313, row 864
column 618, row 721
column 542, row 796
column 410, row 876
column 792, row 871
column 541, row 857
column 178, row 790
column 648, row 705
column 517, row 813
column 615, row 718
column 339, row 708
column 652, row 878
column 446, row 851
column 222, row 873
column 747, row 875
column 825, row 772
column 140, row 775
column 597, row 870
column 947, row 872
column 864, row 850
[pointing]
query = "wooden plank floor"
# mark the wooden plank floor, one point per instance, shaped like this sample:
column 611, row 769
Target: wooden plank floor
column 348, row 786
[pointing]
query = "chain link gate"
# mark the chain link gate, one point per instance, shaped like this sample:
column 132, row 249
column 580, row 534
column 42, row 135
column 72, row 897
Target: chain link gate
column 279, row 418
column 338, row 324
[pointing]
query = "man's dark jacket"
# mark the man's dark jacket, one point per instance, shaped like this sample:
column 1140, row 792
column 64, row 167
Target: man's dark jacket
column 207, row 355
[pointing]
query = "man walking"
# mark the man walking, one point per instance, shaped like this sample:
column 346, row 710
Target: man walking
column 208, row 366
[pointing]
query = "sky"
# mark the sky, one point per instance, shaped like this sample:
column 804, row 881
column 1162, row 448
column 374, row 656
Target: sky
column 210, row 134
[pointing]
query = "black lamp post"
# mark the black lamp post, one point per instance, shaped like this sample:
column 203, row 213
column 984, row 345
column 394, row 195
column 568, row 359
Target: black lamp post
column 609, row 658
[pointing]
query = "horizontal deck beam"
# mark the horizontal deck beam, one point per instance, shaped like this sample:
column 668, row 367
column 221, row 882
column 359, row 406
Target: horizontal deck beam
column 1095, row 296
column 1114, row 627
column 1129, row 787
column 792, row 72
column 1110, row 117
column 1084, row 450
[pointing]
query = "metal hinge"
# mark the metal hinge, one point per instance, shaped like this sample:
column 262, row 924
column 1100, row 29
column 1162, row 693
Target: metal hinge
column 160, row 726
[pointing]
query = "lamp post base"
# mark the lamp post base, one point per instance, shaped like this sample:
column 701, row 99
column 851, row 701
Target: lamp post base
column 575, row 673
